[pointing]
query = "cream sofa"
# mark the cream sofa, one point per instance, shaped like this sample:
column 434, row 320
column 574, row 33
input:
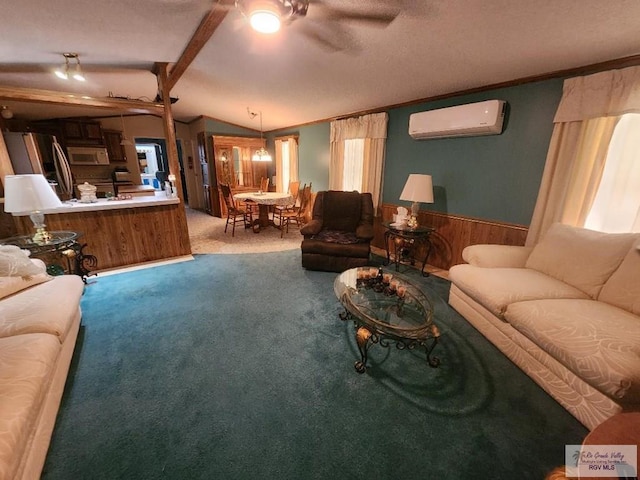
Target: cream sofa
column 566, row 311
column 39, row 323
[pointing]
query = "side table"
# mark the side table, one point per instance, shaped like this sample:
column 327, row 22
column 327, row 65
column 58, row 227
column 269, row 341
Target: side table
column 62, row 254
column 406, row 244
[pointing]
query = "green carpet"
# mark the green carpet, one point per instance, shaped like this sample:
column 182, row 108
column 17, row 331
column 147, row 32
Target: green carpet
column 238, row 367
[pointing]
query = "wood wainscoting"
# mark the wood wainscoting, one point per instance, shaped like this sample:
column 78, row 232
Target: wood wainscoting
column 124, row 236
column 454, row 233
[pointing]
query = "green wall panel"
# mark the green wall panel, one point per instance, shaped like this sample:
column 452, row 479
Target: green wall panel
column 313, row 152
column 492, row 177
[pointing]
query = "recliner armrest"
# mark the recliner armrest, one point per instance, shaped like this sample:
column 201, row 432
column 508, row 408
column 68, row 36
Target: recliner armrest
column 311, row 228
column 365, row 231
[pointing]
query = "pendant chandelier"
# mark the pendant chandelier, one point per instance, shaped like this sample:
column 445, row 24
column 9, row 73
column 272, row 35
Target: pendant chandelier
column 260, row 155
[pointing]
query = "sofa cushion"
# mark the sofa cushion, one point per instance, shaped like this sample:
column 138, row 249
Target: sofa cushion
column 623, row 287
column 496, row 288
column 11, row 285
column 582, row 258
column 49, row 308
column 494, row 256
column 27, row 363
column 15, row 262
column 598, row 342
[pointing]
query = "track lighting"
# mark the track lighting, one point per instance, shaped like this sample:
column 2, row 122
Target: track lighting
column 64, row 71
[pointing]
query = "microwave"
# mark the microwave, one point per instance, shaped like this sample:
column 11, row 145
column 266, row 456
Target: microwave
column 88, row 155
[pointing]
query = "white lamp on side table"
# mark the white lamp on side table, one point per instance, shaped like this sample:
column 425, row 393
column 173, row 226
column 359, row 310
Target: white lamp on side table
column 30, row 194
column 419, row 188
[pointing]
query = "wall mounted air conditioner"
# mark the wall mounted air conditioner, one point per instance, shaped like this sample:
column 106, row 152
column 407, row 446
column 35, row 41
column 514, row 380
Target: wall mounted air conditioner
column 481, row 118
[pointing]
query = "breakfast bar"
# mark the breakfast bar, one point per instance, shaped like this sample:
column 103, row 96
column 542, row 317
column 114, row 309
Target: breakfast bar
column 123, row 232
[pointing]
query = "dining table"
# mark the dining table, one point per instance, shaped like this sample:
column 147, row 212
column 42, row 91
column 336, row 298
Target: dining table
column 264, row 200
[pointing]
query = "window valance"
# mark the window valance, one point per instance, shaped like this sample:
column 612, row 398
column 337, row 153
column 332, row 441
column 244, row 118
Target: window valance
column 366, row 126
column 603, row 94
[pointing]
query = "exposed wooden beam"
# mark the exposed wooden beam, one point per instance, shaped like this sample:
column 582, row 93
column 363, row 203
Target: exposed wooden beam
column 65, row 98
column 160, row 70
column 203, row 33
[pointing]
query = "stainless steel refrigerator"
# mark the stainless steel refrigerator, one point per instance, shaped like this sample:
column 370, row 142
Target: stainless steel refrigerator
column 39, row 153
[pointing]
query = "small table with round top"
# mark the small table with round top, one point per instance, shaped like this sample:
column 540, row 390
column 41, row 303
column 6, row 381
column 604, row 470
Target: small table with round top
column 264, row 200
column 61, row 254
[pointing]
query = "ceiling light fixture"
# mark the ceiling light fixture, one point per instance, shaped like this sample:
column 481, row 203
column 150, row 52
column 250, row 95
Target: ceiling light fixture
column 260, row 155
column 265, row 16
column 63, row 71
column 125, row 142
column 6, row 113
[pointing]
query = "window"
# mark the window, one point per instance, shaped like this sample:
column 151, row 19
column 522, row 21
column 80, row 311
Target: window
column 286, row 162
column 616, row 206
column 353, row 164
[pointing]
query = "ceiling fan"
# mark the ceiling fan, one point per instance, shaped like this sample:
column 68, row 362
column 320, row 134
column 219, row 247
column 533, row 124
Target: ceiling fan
column 267, row 16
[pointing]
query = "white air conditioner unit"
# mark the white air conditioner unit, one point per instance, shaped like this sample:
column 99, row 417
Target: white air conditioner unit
column 481, row 118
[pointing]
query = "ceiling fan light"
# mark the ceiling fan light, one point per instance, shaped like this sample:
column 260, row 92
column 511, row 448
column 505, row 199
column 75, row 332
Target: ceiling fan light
column 265, row 20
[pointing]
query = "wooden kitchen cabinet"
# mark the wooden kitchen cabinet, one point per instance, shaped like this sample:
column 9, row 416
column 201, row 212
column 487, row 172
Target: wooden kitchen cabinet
column 112, row 139
column 82, row 132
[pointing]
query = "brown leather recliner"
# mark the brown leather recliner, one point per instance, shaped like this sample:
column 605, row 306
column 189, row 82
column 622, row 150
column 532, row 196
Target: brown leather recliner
column 339, row 235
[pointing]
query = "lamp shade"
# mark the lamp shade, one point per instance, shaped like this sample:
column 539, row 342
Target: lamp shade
column 419, row 188
column 28, row 193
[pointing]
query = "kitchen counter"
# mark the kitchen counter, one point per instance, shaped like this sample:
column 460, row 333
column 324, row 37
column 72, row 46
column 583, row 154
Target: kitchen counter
column 159, row 198
column 123, row 232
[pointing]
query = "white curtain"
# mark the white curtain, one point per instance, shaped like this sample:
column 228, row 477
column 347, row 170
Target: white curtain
column 585, row 121
column 616, row 207
column 373, row 129
column 286, row 168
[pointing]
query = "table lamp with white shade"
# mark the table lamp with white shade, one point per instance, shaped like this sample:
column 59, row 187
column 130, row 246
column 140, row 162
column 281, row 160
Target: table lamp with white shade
column 419, row 188
column 30, row 194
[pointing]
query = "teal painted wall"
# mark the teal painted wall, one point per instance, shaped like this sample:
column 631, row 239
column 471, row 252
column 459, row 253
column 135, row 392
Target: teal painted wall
column 215, row 127
column 313, row 153
column 490, row 177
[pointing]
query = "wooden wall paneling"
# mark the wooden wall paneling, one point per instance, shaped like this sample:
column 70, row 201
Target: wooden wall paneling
column 126, row 236
column 454, row 233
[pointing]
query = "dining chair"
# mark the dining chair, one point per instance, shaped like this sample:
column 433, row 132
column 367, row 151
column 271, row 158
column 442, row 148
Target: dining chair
column 264, row 184
column 297, row 213
column 235, row 214
column 294, row 189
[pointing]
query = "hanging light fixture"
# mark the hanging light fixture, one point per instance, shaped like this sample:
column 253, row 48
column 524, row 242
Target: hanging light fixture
column 6, row 113
column 64, row 71
column 125, row 142
column 260, row 155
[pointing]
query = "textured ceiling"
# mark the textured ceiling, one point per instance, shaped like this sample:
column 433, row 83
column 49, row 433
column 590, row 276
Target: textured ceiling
column 432, row 48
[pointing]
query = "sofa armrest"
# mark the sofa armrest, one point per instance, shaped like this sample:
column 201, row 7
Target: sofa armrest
column 365, row 231
column 39, row 263
column 496, row 256
column 311, row 228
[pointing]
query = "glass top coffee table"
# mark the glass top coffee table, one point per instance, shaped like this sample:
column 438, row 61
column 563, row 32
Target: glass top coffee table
column 388, row 309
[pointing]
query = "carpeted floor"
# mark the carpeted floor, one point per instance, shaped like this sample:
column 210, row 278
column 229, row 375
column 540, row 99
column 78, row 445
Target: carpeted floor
column 206, row 234
column 238, row 367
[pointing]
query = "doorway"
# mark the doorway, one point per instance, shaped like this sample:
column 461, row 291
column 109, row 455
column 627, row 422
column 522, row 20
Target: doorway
column 153, row 158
